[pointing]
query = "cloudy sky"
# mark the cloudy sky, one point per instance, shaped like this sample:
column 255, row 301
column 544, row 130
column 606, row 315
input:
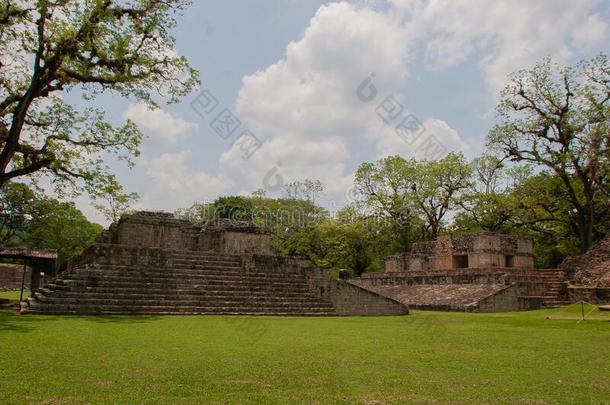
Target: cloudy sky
column 310, row 89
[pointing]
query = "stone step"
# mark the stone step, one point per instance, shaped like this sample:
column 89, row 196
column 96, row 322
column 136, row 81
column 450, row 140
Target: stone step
column 198, row 264
column 200, row 279
column 203, row 301
column 180, row 274
column 182, row 295
column 205, row 260
column 200, row 311
column 180, row 284
column 193, row 253
column 192, row 289
column 194, row 309
column 205, row 266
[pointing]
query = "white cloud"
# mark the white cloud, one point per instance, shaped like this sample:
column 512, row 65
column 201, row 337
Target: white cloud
column 176, row 185
column 306, row 106
column 436, row 140
column 159, row 125
column 506, row 35
column 305, row 109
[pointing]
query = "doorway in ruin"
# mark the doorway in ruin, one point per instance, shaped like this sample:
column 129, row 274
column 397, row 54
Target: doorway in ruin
column 460, row 261
column 509, row 261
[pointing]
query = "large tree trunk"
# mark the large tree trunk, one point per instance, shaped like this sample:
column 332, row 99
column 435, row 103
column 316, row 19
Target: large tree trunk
column 586, row 224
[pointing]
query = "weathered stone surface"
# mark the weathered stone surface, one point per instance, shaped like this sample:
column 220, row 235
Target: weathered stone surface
column 535, row 287
column 468, row 267
column 454, row 297
column 157, row 264
column 11, row 276
column 591, row 269
column 479, row 250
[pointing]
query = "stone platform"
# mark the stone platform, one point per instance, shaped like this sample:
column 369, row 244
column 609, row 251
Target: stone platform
column 157, row 264
column 481, row 290
column 454, row 297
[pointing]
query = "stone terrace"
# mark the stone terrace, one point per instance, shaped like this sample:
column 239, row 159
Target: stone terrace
column 478, row 272
column 156, row 264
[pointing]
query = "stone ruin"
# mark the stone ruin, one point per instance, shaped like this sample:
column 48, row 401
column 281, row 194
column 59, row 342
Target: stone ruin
column 483, row 272
column 475, row 251
column 11, row 276
column 589, row 274
column 154, row 263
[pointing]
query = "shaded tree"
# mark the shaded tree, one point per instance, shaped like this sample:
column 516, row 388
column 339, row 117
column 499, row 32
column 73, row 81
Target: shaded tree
column 16, row 208
column 50, row 47
column 307, row 189
column 558, row 119
column 112, row 200
column 407, row 189
column 60, row 225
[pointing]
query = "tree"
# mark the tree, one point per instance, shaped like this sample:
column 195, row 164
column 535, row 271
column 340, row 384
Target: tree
column 437, row 189
column 306, row 189
column 37, row 221
column 51, row 47
column 59, row 225
column 16, row 203
column 113, row 200
column 487, row 205
column 407, row 189
column 558, row 118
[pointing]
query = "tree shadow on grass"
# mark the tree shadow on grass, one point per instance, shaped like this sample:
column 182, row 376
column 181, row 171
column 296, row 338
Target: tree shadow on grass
column 11, row 321
column 123, row 319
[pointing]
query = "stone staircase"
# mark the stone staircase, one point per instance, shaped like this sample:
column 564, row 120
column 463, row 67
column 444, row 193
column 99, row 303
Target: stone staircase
column 190, row 283
column 544, row 284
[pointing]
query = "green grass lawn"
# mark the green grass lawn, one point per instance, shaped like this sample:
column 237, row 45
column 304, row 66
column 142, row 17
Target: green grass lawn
column 422, row 358
column 14, row 294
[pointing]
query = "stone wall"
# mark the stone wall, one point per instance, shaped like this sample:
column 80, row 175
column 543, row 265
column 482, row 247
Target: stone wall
column 535, row 288
column 350, row 299
column 347, row 299
column 593, row 295
column 11, row 276
column 120, row 255
column 162, row 230
column 480, row 250
column 232, row 242
column 591, row 269
column 456, row 276
column 504, row 300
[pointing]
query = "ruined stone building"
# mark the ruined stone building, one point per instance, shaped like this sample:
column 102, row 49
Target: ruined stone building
column 38, row 263
column 154, row 263
column 481, row 250
column 483, row 272
column 11, row 276
column 589, row 274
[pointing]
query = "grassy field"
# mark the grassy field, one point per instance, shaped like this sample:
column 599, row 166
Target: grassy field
column 14, row 294
column 422, row 358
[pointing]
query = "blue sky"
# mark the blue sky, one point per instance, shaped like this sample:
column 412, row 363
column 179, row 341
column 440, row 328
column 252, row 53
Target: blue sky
column 290, row 72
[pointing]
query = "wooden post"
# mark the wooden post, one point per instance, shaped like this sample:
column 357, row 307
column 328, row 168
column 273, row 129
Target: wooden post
column 582, row 309
column 22, row 281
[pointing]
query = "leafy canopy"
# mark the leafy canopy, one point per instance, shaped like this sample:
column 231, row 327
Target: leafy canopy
column 50, row 48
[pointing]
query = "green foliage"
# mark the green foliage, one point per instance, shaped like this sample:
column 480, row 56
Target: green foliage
column 16, row 208
column 410, row 191
column 282, row 216
column 112, row 200
column 42, row 222
column 557, row 118
column 59, row 225
column 307, row 189
column 93, row 47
